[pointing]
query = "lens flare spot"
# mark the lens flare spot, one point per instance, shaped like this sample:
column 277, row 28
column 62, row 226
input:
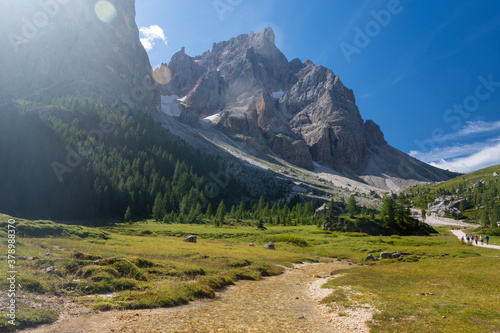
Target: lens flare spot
column 105, row 11
column 162, row 75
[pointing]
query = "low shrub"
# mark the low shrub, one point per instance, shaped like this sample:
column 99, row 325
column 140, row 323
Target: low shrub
column 299, row 241
column 240, row 263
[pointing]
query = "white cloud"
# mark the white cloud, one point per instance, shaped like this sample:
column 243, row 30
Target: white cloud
column 150, row 34
column 455, row 151
column 463, row 158
column 471, row 128
column 487, row 157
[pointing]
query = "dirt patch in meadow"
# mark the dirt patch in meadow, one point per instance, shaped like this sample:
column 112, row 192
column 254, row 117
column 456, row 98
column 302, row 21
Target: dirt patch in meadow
column 284, row 303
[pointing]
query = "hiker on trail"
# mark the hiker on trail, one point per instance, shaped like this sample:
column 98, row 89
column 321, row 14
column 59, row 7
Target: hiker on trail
column 476, row 239
column 481, row 239
column 468, row 239
column 486, row 239
column 462, row 239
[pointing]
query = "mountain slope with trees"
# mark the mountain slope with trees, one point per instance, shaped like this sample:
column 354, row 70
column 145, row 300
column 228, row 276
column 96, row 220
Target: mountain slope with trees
column 481, row 189
column 75, row 158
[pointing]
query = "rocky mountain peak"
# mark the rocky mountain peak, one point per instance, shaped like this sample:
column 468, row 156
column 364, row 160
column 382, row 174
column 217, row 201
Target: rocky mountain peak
column 268, row 33
column 298, row 111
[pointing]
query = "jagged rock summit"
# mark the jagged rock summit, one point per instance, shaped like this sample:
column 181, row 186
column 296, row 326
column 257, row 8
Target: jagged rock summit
column 302, row 112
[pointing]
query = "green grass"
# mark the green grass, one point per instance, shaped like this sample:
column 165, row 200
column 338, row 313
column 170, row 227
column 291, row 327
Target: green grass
column 41, row 228
column 158, row 269
column 299, row 241
column 28, row 318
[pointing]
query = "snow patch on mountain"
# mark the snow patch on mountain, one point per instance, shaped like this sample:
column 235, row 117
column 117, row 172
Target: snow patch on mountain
column 170, row 105
column 277, row 94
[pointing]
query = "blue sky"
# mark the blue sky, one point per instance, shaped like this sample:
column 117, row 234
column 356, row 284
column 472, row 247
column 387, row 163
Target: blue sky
column 428, row 72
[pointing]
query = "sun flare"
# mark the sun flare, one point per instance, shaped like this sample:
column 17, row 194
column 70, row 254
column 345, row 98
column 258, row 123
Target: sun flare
column 105, row 11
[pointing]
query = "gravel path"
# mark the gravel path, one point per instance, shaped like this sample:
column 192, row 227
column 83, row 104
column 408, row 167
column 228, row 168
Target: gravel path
column 442, row 221
column 285, row 303
column 460, row 233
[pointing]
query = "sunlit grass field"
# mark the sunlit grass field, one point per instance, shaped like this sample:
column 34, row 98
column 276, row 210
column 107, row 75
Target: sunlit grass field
column 440, row 285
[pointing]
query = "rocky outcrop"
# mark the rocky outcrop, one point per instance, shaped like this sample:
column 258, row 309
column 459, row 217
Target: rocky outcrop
column 78, row 47
column 295, row 151
column 448, row 205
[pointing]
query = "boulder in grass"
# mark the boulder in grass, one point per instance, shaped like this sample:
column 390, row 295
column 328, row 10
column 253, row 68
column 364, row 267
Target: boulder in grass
column 270, row 246
column 50, row 270
column 190, row 239
column 390, row 255
column 396, row 254
column 371, row 257
column 251, row 244
column 386, row 255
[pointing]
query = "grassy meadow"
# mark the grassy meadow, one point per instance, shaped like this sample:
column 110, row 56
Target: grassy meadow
column 439, row 285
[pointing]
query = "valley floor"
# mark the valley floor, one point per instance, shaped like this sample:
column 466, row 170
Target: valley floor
column 284, row 303
column 99, row 283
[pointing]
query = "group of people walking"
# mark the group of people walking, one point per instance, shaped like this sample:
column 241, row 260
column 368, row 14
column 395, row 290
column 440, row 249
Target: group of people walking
column 470, row 238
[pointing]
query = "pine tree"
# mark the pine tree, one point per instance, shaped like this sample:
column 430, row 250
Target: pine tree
column 461, row 207
column 197, row 210
column 260, row 224
column 352, row 206
column 388, row 210
column 221, row 213
column 332, row 209
column 495, row 216
column 208, row 212
column 233, row 211
column 158, row 208
column 261, row 204
column 128, row 215
column 241, row 209
column 485, row 218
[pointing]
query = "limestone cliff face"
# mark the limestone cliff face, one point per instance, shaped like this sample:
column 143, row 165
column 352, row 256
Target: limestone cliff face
column 77, row 47
column 300, row 111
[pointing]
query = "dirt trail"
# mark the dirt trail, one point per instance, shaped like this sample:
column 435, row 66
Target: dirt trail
column 284, row 303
